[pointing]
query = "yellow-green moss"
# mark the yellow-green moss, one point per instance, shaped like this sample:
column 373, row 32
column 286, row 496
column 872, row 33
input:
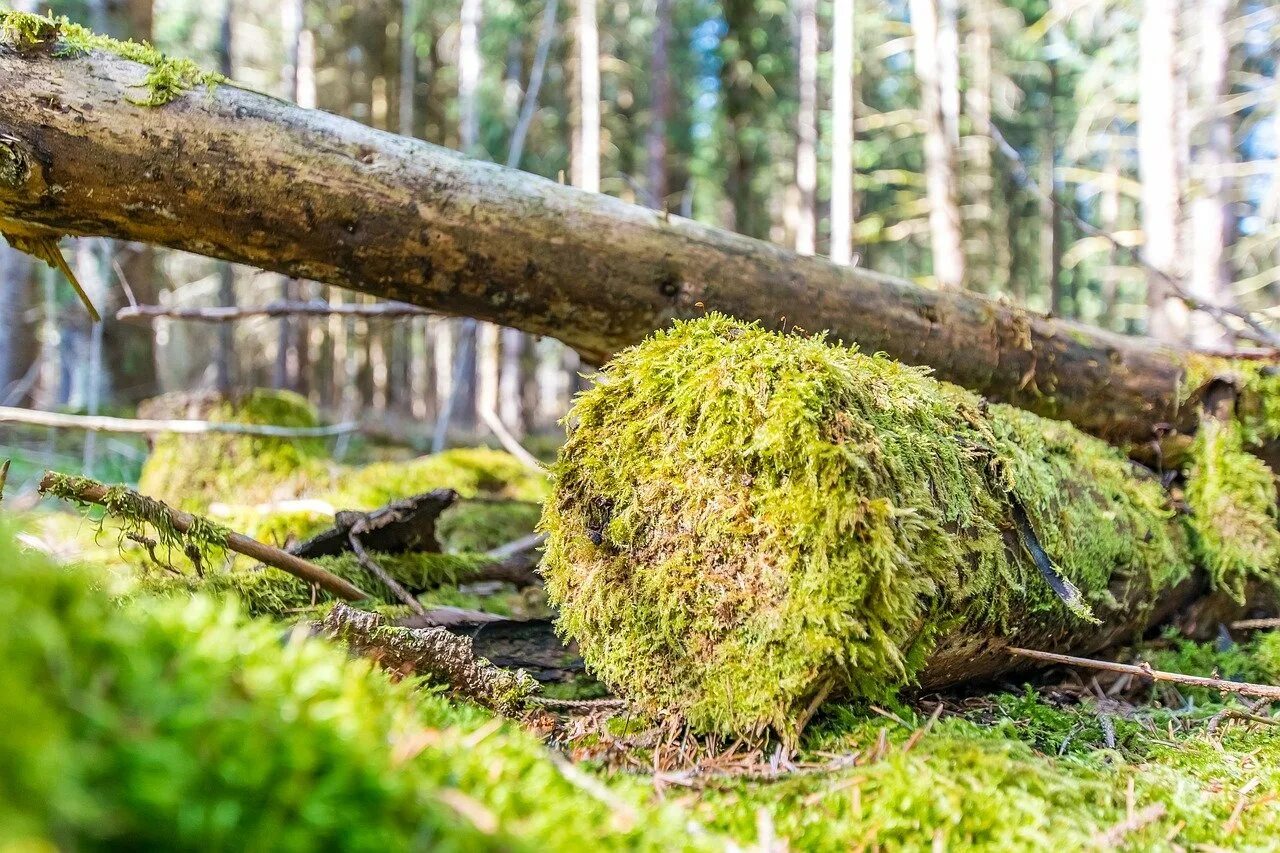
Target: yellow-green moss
column 193, row 471
column 1232, row 497
column 482, row 525
column 181, row 725
column 167, row 78
column 741, row 519
column 469, row 471
column 1257, row 383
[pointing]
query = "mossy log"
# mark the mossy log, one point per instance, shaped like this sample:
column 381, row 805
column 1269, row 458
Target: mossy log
column 233, row 174
column 746, row 522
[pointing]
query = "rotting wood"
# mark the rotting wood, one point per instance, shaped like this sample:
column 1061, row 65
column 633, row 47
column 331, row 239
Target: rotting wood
column 89, row 491
column 408, row 524
column 240, row 176
column 432, row 652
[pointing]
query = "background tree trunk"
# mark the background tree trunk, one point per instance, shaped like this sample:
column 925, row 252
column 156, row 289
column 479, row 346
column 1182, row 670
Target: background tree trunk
column 1210, row 211
column 1158, row 163
column 842, row 169
column 939, row 154
column 806, row 236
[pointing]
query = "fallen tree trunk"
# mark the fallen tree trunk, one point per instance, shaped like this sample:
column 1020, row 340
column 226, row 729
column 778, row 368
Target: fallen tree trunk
column 241, row 176
column 746, row 523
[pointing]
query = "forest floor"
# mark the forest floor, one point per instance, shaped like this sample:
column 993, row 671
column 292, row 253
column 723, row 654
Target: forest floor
column 1062, row 759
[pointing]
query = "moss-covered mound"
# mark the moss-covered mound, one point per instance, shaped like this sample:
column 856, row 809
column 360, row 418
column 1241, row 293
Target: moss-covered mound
column 180, row 725
column 192, row 471
column 744, row 521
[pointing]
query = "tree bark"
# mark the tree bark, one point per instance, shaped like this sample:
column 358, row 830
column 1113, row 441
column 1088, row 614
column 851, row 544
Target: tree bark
column 243, row 177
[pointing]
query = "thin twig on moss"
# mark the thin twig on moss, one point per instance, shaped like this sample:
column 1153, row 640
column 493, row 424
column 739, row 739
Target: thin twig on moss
column 177, row 528
column 1144, row 670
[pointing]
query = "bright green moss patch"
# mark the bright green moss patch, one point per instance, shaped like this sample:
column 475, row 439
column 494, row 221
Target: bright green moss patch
column 1232, row 497
column 483, row 525
column 180, row 725
column 167, row 78
column 1257, row 383
column 192, row 471
column 743, row 520
column 470, row 471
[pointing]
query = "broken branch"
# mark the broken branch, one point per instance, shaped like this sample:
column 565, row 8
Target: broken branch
column 90, row 491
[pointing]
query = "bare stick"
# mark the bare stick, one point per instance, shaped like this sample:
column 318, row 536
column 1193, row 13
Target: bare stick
column 371, row 566
column 1143, row 670
column 1255, row 624
column 89, row 491
column 95, row 423
column 232, row 313
column 4, row 476
column 509, row 441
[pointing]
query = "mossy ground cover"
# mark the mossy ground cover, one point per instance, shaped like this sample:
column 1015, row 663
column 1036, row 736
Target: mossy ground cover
column 181, row 724
column 744, row 519
column 175, row 720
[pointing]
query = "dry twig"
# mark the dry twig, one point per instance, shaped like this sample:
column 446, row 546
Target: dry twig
column 1144, row 670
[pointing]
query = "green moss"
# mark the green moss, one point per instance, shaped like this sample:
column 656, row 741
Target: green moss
column 193, row 471
column 1257, row 383
column 1232, row 497
column 483, row 525
column 142, row 517
column 180, row 725
column 167, row 78
column 741, row 519
column 469, row 471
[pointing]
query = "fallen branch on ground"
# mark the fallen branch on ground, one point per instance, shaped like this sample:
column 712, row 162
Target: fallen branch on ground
column 100, row 423
column 134, row 508
column 1143, row 670
column 431, row 652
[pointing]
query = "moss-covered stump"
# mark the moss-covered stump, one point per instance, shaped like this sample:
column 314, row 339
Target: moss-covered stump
column 182, row 725
column 193, row 471
column 744, row 523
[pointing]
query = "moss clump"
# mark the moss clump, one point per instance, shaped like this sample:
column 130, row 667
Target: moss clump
column 742, row 520
column 1257, row 384
column 191, row 472
column 469, row 471
column 1232, row 497
column 483, row 525
column 180, row 725
column 167, row 78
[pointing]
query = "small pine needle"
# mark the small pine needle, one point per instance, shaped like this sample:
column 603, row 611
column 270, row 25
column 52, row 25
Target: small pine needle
column 47, row 250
